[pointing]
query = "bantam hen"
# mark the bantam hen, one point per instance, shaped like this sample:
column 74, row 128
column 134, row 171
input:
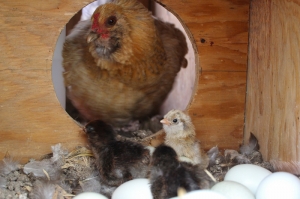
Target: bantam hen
column 121, row 65
column 181, row 136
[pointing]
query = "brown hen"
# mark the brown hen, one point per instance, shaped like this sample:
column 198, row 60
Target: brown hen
column 121, row 64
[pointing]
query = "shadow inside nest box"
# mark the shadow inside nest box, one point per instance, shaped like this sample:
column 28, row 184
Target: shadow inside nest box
column 184, row 85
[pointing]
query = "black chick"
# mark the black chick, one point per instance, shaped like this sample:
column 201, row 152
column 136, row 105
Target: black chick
column 117, row 161
column 168, row 174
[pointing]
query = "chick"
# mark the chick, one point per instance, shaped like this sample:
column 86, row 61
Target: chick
column 180, row 135
column 168, row 174
column 117, row 161
column 121, row 65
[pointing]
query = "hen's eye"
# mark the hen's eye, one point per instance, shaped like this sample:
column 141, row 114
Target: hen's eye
column 174, row 120
column 111, row 21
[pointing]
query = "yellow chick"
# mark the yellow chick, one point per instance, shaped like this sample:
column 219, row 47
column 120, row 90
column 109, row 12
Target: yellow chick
column 180, row 135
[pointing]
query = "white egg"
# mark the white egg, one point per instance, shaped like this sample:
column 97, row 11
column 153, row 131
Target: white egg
column 233, row 190
column 202, row 194
column 90, row 195
column 133, row 189
column 279, row 185
column 249, row 175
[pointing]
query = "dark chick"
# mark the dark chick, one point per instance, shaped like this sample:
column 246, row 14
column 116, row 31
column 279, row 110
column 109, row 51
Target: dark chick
column 117, row 161
column 121, row 65
column 168, row 174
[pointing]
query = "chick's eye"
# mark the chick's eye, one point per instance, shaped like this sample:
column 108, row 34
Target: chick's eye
column 111, row 21
column 175, row 120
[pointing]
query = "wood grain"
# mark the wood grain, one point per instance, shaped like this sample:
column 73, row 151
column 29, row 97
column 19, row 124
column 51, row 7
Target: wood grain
column 220, row 30
column 219, row 110
column 273, row 92
column 31, row 117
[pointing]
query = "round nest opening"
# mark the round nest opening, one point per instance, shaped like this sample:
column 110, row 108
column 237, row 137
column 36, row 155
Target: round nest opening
column 185, row 83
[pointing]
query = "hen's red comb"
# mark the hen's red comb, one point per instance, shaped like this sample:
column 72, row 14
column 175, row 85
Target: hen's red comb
column 97, row 28
column 95, row 25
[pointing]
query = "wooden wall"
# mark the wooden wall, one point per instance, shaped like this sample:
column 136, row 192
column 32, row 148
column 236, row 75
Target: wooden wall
column 273, row 92
column 31, row 118
column 220, row 30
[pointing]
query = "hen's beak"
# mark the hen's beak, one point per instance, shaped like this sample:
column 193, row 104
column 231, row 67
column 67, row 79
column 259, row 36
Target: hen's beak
column 91, row 37
column 165, row 121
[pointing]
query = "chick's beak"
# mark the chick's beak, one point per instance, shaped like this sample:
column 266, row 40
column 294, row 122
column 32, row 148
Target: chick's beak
column 165, row 121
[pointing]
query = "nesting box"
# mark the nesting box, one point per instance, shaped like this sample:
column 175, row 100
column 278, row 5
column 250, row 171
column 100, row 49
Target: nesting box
column 246, row 70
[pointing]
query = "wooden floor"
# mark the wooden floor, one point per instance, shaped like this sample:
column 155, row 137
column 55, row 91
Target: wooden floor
column 31, row 118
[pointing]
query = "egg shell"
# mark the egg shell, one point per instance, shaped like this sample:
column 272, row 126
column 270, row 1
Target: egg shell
column 249, row 175
column 279, row 185
column 202, row 194
column 133, row 189
column 233, row 190
column 90, row 195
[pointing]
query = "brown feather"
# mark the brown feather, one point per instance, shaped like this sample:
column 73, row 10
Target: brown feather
column 131, row 73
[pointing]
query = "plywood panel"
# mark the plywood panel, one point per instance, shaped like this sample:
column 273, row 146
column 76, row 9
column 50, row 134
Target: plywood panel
column 273, row 92
column 219, row 110
column 220, row 30
column 31, row 117
column 222, row 26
